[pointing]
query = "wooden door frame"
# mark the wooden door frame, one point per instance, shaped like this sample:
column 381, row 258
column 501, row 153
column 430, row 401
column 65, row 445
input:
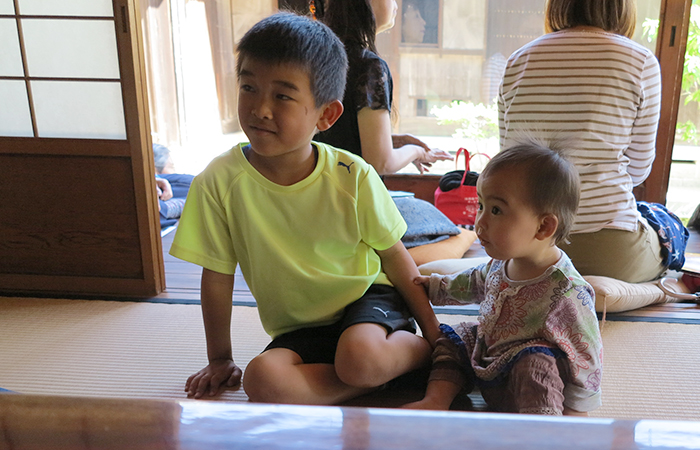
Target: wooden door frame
column 138, row 125
column 674, row 20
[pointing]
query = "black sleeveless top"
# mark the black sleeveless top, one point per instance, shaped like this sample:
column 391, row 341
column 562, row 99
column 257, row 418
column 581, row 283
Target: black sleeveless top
column 369, row 85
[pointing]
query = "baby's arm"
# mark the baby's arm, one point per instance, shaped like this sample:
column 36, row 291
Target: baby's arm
column 460, row 288
column 401, row 270
column 221, row 372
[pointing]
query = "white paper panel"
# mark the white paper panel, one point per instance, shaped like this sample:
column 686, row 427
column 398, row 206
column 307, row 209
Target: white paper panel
column 14, row 109
column 7, row 7
column 72, row 109
column 71, row 48
column 10, row 56
column 99, row 8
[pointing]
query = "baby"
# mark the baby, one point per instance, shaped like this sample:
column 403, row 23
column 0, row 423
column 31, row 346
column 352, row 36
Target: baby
column 536, row 347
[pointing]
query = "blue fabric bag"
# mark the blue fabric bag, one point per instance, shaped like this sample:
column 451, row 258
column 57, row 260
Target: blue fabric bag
column 672, row 234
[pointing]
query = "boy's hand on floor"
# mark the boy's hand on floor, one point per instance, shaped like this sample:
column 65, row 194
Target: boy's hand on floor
column 213, row 379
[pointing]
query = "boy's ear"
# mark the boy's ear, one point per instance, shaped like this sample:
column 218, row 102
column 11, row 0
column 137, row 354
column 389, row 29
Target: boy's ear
column 331, row 113
column 548, row 226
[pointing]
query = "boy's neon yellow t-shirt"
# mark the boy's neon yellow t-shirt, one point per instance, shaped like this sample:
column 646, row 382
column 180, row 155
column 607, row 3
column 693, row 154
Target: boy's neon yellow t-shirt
column 307, row 250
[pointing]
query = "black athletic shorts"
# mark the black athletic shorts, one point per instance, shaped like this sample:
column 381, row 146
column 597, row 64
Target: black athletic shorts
column 381, row 304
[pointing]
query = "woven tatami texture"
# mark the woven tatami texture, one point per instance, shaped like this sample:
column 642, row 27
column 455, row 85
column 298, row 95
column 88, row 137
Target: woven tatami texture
column 147, row 350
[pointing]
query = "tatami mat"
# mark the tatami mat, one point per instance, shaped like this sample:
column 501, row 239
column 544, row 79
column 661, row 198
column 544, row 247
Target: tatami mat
column 147, row 350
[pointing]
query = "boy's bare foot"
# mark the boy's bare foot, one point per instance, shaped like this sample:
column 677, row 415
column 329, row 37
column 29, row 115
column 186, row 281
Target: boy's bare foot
column 427, row 404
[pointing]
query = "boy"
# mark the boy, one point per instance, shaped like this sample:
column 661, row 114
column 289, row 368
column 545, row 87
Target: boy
column 312, row 228
column 537, row 347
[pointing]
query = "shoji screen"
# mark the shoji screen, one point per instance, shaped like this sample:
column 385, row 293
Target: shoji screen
column 77, row 203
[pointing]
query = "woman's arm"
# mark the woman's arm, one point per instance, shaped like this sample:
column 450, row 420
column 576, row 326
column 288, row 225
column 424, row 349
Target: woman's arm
column 389, row 153
column 377, row 147
column 642, row 149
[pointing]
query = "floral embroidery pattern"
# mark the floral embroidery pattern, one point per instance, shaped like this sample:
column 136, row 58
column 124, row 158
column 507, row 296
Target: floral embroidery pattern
column 593, row 380
column 562, row 313
column 574, row 347
column 510, row 320
column 586, row 296
column 534, row 292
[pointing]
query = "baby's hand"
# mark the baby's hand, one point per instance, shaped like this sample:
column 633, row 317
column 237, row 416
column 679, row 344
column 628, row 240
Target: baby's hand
column 425, row 281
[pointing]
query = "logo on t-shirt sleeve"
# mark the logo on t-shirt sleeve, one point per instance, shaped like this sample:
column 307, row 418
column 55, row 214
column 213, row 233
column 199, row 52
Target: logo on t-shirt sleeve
column 347, row 166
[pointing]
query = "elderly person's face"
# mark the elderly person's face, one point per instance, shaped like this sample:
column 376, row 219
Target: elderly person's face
column 412, row 25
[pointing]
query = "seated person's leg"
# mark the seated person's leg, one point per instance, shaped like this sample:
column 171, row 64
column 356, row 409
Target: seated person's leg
column 451, row 371
column 297, row 367
column 631, row 256
column 536, row 382
column 171, row 209
column 379, row 342
column 453, row 247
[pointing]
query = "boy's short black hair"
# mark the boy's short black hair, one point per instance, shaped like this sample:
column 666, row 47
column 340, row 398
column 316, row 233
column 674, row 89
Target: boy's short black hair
column 553, row 184
column 287, row 38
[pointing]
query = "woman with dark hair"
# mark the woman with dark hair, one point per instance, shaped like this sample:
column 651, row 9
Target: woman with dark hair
column 587, row 82
column 365, row 126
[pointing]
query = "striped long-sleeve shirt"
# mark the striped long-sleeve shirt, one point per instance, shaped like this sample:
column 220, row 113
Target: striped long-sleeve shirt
column 599, row 91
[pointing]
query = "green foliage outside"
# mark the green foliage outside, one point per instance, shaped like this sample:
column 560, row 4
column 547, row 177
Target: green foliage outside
column 480, row 122
column 477, row 121
column 686, row 131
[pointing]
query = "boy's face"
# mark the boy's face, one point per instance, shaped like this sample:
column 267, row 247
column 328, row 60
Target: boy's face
column 276, row 108
column 506, row 223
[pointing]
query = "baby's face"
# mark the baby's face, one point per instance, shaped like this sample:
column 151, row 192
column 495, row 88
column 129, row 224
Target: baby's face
column 506, row 223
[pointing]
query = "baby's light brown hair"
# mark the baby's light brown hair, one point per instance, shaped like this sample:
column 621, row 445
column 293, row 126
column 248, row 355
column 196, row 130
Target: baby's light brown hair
column 553, row 185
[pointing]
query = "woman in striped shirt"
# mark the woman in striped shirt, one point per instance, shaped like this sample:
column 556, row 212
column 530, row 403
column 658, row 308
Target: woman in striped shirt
column 587, row 83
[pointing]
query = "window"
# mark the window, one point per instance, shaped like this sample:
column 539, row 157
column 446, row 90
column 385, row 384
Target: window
column 459, row 57
column 447, row 58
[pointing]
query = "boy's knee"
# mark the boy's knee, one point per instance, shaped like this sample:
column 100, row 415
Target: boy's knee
column 359, row 364
column 263, row 380
column 367, row 357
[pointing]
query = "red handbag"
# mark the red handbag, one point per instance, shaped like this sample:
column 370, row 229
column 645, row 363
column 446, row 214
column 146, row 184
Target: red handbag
column 459, row 202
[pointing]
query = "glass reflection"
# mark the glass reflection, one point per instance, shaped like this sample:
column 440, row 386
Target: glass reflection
column 667, row 434
column 260, row 426
column 419, row 22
